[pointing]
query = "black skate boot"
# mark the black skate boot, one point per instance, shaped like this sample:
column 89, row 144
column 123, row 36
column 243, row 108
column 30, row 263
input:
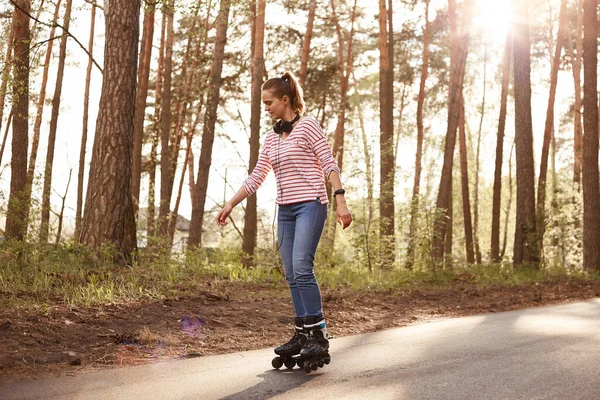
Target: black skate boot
column 315, row 352
column 289, row 350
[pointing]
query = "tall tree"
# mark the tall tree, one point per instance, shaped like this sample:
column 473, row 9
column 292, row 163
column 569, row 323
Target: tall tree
column 525, row 247
column 165, row 126
column 464, row 173
column 478, row 163
column 208, row 131
column 16, row 215
column 6, row 70
column 386, row 142
column 108, row 216
column 591, row 189
column 496, row 202
column 84, row 135
column 454, row 104
column 306, row 42
column 45, row 225
column 414, row 211
column 345, row 64
column 141, row 95
column 258, row 70
column 576, row 68
column 155, row 132
column 549, row 128
column 40, row 110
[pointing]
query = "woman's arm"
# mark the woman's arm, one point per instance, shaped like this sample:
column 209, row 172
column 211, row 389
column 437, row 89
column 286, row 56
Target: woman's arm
column 235, row 200
column 344, row 217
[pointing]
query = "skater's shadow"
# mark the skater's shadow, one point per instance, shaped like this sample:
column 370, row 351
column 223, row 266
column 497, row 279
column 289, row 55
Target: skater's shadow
column 275, row 382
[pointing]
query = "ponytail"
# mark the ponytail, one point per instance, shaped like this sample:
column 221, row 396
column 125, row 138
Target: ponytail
column 287, row 85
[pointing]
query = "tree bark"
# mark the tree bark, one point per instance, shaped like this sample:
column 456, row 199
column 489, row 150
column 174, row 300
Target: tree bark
column 208, row 132
column 386, row 143
column 258, row 70
column 414, row 210
column 591, row 189
column 108, row 217
column 525, row 247
column 45, row 224
column 510, row 199
column 141, row 95
column 165, row 128
column 464, row 173
column 549, row 129
column 456, row 83
column 6, row 131
column 497, row 199
column 84, row 136
column 16, row 214
column 306, row 43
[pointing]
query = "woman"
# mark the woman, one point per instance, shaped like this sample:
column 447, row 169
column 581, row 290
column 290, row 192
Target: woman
column 298, row 153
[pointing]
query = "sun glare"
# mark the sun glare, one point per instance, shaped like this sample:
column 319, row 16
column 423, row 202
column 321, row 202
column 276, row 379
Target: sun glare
column 494, row 18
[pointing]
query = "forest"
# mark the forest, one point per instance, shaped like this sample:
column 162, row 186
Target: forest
column 466, row 132
column 418, row 100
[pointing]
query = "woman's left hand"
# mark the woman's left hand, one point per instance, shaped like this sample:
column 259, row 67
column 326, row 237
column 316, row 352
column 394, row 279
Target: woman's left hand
column 344, row 217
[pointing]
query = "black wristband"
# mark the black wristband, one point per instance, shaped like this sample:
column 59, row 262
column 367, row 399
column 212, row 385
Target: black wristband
column 339, row 191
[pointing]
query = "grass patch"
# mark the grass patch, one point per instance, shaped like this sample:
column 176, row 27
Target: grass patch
column 35, row 276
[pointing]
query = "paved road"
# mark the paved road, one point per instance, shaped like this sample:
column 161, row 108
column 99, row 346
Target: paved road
column 540, row 353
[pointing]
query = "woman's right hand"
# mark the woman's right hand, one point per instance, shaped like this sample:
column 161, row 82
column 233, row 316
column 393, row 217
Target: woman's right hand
column 223, row 215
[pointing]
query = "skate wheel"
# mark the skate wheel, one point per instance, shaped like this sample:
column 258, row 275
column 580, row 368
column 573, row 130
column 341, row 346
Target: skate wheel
column 289, row 363
column 277, row 362
column 300, row 363
column 314, row 366
column 321, row 364
column 327, row 360
column 307, row 368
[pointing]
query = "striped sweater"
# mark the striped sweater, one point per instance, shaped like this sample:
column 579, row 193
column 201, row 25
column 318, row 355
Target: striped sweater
column 298, row 163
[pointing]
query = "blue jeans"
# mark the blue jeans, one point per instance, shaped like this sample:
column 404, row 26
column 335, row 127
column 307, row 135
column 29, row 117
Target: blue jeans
column 299, row 229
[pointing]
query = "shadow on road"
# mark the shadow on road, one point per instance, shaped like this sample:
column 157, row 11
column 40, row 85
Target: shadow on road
column 274, row 382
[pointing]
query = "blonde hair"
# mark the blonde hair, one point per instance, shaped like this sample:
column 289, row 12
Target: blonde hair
column 288, row 86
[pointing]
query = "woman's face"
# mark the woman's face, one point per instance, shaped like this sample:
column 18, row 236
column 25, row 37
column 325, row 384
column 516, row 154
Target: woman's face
column 275, row 106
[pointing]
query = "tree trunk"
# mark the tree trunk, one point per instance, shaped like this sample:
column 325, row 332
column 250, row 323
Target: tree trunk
column 369, row 172
column 414, row 211
column 165, row 128
column 16, row 214
column 258, row 70
column 5, row 136
column 156, row 131
column 510, row 199
column 6, row 70
column 141, row 95
column 477, row 163
column 454, row 104
column 591, row 190
column 497, row 199
column 464, row 173
column 84, row 136
column 40, row 110
column 45, row 224
column 62, row 208
column 208, row 132
column 576, row 64
column 386, row 143
column 549, row 129
column 306, row 43
column 345, row 66
column 525, row 248
column 108, row 217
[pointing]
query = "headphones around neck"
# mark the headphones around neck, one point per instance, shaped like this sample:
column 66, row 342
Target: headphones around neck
column 282, row 126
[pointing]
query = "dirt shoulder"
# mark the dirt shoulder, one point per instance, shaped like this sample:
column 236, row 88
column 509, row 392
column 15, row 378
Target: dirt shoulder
column 229, row 317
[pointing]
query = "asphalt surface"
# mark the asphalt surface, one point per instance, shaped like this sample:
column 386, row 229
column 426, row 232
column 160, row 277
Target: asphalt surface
column 539, row 353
